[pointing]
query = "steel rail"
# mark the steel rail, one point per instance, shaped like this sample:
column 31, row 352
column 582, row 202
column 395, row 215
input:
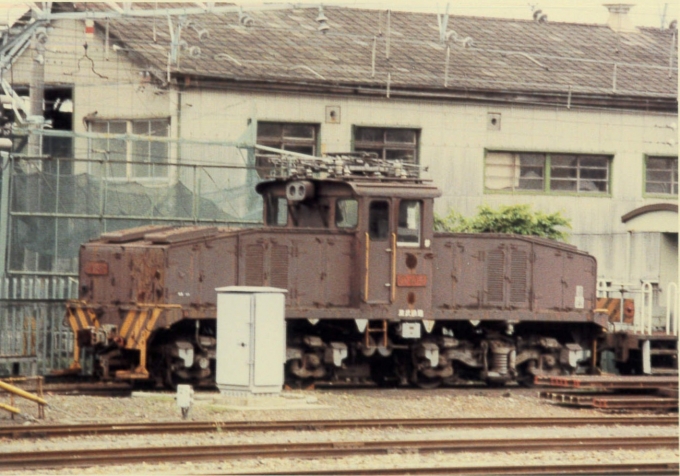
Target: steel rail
column 661, row 468
column 114, row 456
column 43, row 431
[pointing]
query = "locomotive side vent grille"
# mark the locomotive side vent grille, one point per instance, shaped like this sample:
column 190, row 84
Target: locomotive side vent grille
column 494, row 276
column 518, row 277
column 279, row 267
column 254, row 265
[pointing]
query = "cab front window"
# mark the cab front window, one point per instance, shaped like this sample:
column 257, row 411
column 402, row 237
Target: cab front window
column 277, row 211
column 346, row 213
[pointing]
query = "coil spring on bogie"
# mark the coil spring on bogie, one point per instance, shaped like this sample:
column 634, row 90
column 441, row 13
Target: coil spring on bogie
column 499, row 362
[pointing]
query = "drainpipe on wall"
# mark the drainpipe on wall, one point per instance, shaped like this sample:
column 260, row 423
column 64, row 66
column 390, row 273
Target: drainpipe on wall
column 629, row 258
column 629, row 239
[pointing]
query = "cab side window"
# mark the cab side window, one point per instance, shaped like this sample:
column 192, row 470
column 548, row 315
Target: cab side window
column 408, row 227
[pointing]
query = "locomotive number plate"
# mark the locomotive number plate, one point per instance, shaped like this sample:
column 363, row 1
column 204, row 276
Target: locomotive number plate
column 412, row 280
column 96, row 268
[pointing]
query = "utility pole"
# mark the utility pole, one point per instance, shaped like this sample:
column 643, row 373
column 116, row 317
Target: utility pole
column 663, row 16
column 37, row 92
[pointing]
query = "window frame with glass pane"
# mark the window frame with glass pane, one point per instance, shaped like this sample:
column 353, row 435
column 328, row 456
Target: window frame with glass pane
column 661, row 175
column 346, row 213
column 409, row 223
column 281, row 135
column 554, row 173
column 391, row 143
column 379, row 220
column 128, row 159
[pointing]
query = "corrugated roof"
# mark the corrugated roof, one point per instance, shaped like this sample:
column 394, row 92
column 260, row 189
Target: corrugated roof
column 506, row 55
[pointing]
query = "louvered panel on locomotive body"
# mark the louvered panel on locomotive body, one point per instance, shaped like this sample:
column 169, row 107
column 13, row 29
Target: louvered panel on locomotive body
column 507, row 273
column 481, row 271
column 264, row 260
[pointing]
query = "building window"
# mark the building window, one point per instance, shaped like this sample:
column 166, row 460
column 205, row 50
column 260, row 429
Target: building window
column 388, row 143
column 518, row 171
column 300, row 138
column 661, row 175
column 132, row 158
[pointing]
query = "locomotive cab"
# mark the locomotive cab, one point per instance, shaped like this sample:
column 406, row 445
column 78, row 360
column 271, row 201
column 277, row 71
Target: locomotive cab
column 391, row 219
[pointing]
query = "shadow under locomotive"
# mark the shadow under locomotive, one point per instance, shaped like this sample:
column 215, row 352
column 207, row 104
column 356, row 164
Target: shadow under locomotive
column 373, row 291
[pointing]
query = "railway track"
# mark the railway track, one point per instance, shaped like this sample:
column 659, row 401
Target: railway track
column 43, row 431
column 116, row 456
column 620, row 469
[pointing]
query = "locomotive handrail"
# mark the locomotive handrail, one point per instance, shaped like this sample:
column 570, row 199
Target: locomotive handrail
column 368, row 252
column 393, row 274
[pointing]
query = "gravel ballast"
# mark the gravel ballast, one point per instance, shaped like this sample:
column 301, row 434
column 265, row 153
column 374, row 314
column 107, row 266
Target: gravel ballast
column 327, row 404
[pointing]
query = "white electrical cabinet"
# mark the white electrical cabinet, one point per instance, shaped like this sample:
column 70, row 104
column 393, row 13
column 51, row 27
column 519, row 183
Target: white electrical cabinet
column 251, row 339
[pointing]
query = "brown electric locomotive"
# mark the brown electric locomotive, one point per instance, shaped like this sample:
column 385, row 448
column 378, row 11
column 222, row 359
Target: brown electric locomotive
column 373, row 291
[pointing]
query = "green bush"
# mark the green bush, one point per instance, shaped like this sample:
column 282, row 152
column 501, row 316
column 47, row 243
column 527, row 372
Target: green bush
column 516, row 219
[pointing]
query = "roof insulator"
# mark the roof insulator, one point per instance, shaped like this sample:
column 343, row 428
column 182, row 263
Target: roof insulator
column 245, row 19
column 322, row 20
column 540, row 17
column 451, row 35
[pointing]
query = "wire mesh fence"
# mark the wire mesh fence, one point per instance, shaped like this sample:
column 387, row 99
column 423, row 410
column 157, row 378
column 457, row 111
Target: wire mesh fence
column 55, row 204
